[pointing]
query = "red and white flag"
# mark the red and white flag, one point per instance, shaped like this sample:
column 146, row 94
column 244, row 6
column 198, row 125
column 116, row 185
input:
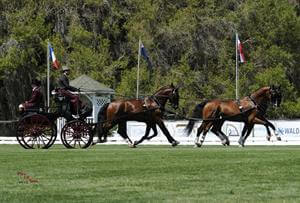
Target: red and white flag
column 240, row 49
column 55, row 62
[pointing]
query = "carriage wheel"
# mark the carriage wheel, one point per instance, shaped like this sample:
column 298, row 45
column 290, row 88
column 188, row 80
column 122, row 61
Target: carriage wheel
column 36, row 131
column 76, row 134
column 20, row 133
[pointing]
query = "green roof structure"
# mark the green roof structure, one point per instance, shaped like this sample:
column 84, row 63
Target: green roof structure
column 87, row 84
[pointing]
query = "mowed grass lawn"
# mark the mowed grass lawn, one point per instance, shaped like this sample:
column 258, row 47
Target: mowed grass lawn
column 117, row 173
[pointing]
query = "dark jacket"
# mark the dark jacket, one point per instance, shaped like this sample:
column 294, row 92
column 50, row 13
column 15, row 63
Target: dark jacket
column 63, row 82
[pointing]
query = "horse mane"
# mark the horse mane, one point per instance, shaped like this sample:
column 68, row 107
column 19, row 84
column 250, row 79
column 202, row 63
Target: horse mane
column 163, row 88
column 259, row 90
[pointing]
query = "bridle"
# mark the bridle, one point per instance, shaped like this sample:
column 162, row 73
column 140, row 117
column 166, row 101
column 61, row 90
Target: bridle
column 173, row 98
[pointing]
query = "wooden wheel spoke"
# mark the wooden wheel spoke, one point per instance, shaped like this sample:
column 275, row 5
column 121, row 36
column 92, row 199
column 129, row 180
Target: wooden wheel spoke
column 76, row 134
column 70, row 141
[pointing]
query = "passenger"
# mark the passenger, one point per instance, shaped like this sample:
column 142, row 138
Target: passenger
column 36, row 100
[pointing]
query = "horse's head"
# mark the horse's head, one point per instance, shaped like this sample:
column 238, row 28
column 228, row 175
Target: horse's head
column 170, row 93
column 275, row 95
column 174, row 97
column 270, row 94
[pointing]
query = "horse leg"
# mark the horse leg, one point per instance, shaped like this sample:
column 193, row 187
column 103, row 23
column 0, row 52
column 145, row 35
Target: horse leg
column 241, row 141
column 122, row 130
column 153, row 126
column 218, row 132
column 261, row 120
column 164, row 129
column 199, row 131
column 250, row 127
column 268, row 132
column 269, row 124
column 102, row 131
column 148, row 128
column 227, row 142
column 274, row 129
column 206, row 128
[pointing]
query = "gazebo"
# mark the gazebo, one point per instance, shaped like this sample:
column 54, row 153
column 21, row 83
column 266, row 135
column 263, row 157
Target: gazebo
column 97, row 93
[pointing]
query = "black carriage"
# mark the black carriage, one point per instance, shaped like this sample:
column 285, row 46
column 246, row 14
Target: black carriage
column 37, row 127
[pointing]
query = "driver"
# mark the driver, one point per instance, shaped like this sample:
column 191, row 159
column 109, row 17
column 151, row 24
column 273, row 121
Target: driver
column 65, row 89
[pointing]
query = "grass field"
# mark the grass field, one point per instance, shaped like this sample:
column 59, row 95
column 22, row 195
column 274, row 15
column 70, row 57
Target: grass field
column 117, row 173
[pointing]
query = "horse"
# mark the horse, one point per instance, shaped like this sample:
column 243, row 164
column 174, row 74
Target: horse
column 250, row 110
column 260, row 118
column 149, row 110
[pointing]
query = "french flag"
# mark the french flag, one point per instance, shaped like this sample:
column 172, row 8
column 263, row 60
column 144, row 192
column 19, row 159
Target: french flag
column 240, row 49
column 53, row 58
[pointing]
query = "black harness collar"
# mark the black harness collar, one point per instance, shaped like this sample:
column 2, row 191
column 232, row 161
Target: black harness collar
column 253, row 100
column 157, row 102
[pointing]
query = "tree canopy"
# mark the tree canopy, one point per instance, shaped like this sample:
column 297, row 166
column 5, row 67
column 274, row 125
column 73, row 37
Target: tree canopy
column 190, row 42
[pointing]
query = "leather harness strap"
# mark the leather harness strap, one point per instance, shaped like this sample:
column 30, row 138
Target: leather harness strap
column 238, row 102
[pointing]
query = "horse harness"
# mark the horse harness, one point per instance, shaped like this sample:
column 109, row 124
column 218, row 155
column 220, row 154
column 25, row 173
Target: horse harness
column 253, row 105
column 147, row 103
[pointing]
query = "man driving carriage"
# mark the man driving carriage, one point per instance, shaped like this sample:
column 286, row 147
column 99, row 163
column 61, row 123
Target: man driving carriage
column 65, row 89
column 36, row 100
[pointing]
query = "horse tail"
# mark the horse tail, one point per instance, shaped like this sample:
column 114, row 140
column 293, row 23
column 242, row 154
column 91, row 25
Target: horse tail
column 197, row 113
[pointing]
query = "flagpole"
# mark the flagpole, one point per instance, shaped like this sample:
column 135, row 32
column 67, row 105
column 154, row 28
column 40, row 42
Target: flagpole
column 236, row 67
column 48, row 78
column 138, row 70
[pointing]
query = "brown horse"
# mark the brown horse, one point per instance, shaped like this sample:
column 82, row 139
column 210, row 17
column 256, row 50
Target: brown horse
column 149, row 111
column 250, row 110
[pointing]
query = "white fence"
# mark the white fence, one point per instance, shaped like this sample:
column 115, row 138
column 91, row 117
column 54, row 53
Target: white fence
column 288, row 130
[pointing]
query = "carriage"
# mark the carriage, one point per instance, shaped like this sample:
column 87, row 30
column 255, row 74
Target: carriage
column 37, row 127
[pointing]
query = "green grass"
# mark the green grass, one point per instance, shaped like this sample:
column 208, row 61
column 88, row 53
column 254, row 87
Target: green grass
column 151, row 174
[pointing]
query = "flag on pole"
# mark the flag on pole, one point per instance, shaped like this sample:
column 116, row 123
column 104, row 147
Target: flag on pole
column 145, row 55
column 55, row 62
column 240, row 49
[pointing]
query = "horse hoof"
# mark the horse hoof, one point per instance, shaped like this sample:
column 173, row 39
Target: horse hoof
column 228, row 143
column 197, row 145
column 278, row 138
column 132, row 146
column 268, row 138
column 241, row 144
column 175, row 143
